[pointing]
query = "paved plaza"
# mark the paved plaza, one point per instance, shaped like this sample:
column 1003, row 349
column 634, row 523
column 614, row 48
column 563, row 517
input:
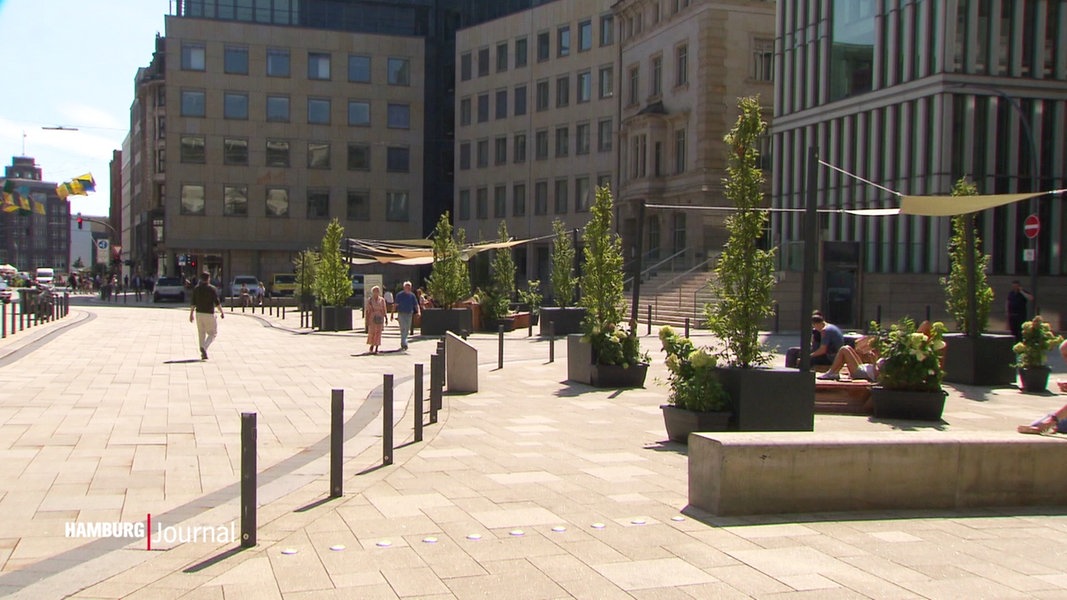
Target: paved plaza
column 532, row 488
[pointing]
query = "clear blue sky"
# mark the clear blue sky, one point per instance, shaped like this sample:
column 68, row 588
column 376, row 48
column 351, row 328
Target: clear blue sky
column 72, row 63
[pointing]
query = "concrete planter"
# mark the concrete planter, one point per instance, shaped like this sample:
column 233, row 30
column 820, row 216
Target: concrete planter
column 335, row 318
column 907, row 404
column 1034, row 380
column 579, row 360
column 680, row 422
column 983, row 360
column 617, row 376
column 436, row 321
column 566, row 320
column 770, row 399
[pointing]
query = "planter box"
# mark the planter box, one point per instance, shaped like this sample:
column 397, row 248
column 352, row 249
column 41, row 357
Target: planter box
column 493, row 325
column 617, row 376
column 335, row 318
column 566, row 320
column 1034, row 380
column 770, row 399
column 521, row 320
column 907, row 404
column 436, row 321
column 579, row 360
column 681, row 422
column 984, row 360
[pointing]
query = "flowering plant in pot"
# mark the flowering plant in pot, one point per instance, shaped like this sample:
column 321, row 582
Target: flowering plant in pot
column 910, row 371
column 698, row 401
column 1031, row 354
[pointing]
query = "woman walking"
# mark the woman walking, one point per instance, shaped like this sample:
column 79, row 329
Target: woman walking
column 374, row 318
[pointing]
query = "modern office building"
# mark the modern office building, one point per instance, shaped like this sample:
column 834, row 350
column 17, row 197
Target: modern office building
column 38, row 236
column 913, row 95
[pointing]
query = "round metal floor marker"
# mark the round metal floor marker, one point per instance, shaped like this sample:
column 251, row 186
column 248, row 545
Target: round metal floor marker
column 598, row 525
column 289, row 551
column 517, row 532
column 677, row 518
column 337, row 548
column 559, row 529
column 429, row 540
column 637, row 521
column 474, row 536
column 384, row 544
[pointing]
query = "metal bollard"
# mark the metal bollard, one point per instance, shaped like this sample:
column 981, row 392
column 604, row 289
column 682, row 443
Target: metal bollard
column 283, row 312
column 14, row 309
column 337, row 442
column 649, row 331
column 418, row 402
column 435, row 390
column 529, row 328
column 387, row 419
column 3, row 318
column 687, row 327
column 551, row 341
column 500, row 347
column 248, row 480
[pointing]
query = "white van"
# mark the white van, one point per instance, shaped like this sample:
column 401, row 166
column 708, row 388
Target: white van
column 45, row 275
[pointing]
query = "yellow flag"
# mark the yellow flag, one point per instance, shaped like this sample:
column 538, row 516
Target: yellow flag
column 38, row 207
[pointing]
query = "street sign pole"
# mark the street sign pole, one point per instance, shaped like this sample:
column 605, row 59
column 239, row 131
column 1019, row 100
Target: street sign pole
column 1032, row 228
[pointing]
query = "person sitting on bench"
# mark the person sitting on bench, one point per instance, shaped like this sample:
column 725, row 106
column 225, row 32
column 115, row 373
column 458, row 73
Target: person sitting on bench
column 830, row 342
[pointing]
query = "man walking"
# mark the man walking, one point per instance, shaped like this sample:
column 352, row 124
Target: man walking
column 407, row 305
column 1015, row 307
column 205, row 299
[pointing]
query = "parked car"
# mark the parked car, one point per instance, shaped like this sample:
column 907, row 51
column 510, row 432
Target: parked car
column 255, row 288
column 5, row 292
column 357, row 291
column 169, row 288
column 284, row 284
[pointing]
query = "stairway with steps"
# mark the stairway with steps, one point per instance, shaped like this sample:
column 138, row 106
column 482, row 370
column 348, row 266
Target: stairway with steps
column 674, row 297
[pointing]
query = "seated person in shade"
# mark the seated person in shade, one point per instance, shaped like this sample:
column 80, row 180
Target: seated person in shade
column 860, row 360
column 831, row 340
column 792, row 355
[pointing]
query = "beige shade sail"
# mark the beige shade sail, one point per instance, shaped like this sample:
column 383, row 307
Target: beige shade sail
column 947, row 206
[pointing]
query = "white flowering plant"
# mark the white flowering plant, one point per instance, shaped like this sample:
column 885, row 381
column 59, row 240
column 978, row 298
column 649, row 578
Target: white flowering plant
column 1038, row 339
column 910, row 357
column 694, row 384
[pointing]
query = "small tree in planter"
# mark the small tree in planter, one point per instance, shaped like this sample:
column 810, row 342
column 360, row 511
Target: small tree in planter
column 564, row 319
column 532, row 298
column 332, row 286
column 449, row 281
column 910, row 371
column 698, row 401
column 1032, row 354
column 306, row 265
column 496, row 300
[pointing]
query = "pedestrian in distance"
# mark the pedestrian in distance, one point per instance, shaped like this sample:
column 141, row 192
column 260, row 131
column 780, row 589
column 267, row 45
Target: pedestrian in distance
column 388, row 305
column 374, row 318
column 407, row 306
column 202, row 312
column 1015, row 308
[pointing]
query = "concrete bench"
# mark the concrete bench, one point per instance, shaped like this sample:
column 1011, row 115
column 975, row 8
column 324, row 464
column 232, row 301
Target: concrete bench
column 849, row 397
column 791, row 472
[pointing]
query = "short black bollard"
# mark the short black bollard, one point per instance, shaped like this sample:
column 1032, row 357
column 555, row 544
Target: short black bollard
column 283, row 312
column 3, row 318
column 687, row 327
column 529, row 328
column 248, row 480
column 337, row 442
column 551, row 341
column 418, row 402
column 387, row 419
column 649, row 331
column 500, row 347
column 436, row 364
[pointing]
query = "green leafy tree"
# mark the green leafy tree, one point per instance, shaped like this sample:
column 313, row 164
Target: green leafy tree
column 562, row 276
column 450, row 280
column 332, row 286
column 602, row 270
column 532, row 295
column 956, row 283
column 744, row 275
column 306, row 265
column 502, row 286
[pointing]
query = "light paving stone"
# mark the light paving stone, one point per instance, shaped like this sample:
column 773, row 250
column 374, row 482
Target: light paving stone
column 516, row 517
column 521, row 478
column 418, row 581
column 665, row 573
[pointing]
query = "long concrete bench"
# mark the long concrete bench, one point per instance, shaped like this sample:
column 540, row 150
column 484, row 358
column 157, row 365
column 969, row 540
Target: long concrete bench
column 788, row 472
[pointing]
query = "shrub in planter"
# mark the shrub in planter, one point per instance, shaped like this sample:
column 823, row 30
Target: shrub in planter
column 955, row 284
column 449, row 282
column 497, row 298
column 332, row 286
column 562, row 275
column 1032, row 354
column 697, row 401
column 909, row 372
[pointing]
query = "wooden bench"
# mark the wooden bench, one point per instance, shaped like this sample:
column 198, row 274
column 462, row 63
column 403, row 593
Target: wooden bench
column 848, row 397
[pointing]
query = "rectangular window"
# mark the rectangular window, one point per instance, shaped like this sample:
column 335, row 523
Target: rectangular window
column 518, row 200
column 543, row 50
column 657, row 159
column 464, row 156
column 581, row 138
column 193, row 103
column 520, row 100
column 318, row 155
column 235, row 60
column 358, row 205
column 465, row 112
column 520, row 53
column 358, row 157
column 603, row 181
column 519, row 153
column 358, row 113
column 396, row 206
column 657, row 76
column 235, row 105
column 192, row 200
column 235, row 151
column 483, row 108
column 161, row 160
column 277, row 153
column 500, row 150
column 278, row 109
column 585, row 36
column 635, row 85
column 482, row 152
column 193, row 149
column 465, row 66
column 318, row 65
column 235, row 201
column 464, row 205
column 358, row 68
column 483, row 62
column 501, row 57
column 542, row 95
column 585, row 87
column 563, row 141
column 561, row 197
column 563, row 91
column 318, row 204
column 277, row 203
column 193, row 57
column 398, row 159
column 500, row 202
column 607, row 82
column 681, row 62
column 582, row 197
column 563, row 41
column 604, row 135
column 541, row 198
column 398, row 71
column 398, row 116
column 762, row 59
column 481, row 203
column 607, row 30
column 679, row 151
column 501, row 104
column 319, row 111
column 541, row 144
column 277, row 62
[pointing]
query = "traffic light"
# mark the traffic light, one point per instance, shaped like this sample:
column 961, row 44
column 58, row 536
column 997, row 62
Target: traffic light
column 79, row 220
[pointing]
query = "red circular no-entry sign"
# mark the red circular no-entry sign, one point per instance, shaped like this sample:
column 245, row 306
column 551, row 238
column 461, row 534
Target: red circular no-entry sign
column 1032, row 226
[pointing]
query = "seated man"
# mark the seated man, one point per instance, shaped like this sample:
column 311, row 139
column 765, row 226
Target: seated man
column 792, row 355
column 830, row 342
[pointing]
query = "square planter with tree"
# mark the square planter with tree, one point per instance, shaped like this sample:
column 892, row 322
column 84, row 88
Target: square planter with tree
column 565, row 318
column 448, row 284
column 332, row 286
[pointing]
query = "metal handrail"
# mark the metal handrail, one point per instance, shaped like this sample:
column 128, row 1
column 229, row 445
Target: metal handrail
column 646, row 271
column 683, row 274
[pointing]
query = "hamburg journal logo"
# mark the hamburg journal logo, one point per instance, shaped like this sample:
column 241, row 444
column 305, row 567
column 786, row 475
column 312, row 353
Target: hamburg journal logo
column 134, row 530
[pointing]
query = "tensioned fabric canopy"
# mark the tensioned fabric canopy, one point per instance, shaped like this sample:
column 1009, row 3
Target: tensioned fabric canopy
column 412, row 252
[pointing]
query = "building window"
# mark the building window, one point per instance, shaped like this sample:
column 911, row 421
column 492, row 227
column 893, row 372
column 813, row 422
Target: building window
column 235, row 201
column 585, row 87
column 520, row 52
column 603, row 181
column 465, row 156
column 398, row 159
column 465, row 67
column 483, row 108
column 607, row 30
column 277, row 202
column 235, row 60
column 278, row 109
column 657, row 159
column 657, row 76
column 465, row 112
column 679, row 151
column 563, row 41
column 681, row 65
column 277, row 62
column 639, row 156
column 192, row 103
column 358, row 113
column 398, row 116
column 582, row 199
column 277, row 153
column 398, row 71
column 635, row 86
column 604, row 135
column 193, row 57
column 482, row 152
column 358, row 205
column 563, row 141
column 561, row 197
column 763, row 59
column 543, row 42
column 192, row 200
column 319, row 111
column 541, row 145
column 500, row 150
column 193, row 149
column 481, row 203
column 563, row 91
column 318, row 155
column 464, row 205
column 483, row 62
column 518, row 200
column 501, row 57
column 607, row 82
column 235, row 151
column 585, row 36
column 520, row 100
column 235, row 105
column 318, row 65
column 358, row 157
column 396, row 206
column 501, row 104
column 542, row 95
column 500, row 202
column 358, row 68
column 519, row 151
column 541, row 198
column 318, row 204
column 581, row 138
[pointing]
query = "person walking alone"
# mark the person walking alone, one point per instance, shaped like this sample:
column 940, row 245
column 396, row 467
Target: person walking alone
column 407, row 306
column 374, row 317
column 205, row 299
